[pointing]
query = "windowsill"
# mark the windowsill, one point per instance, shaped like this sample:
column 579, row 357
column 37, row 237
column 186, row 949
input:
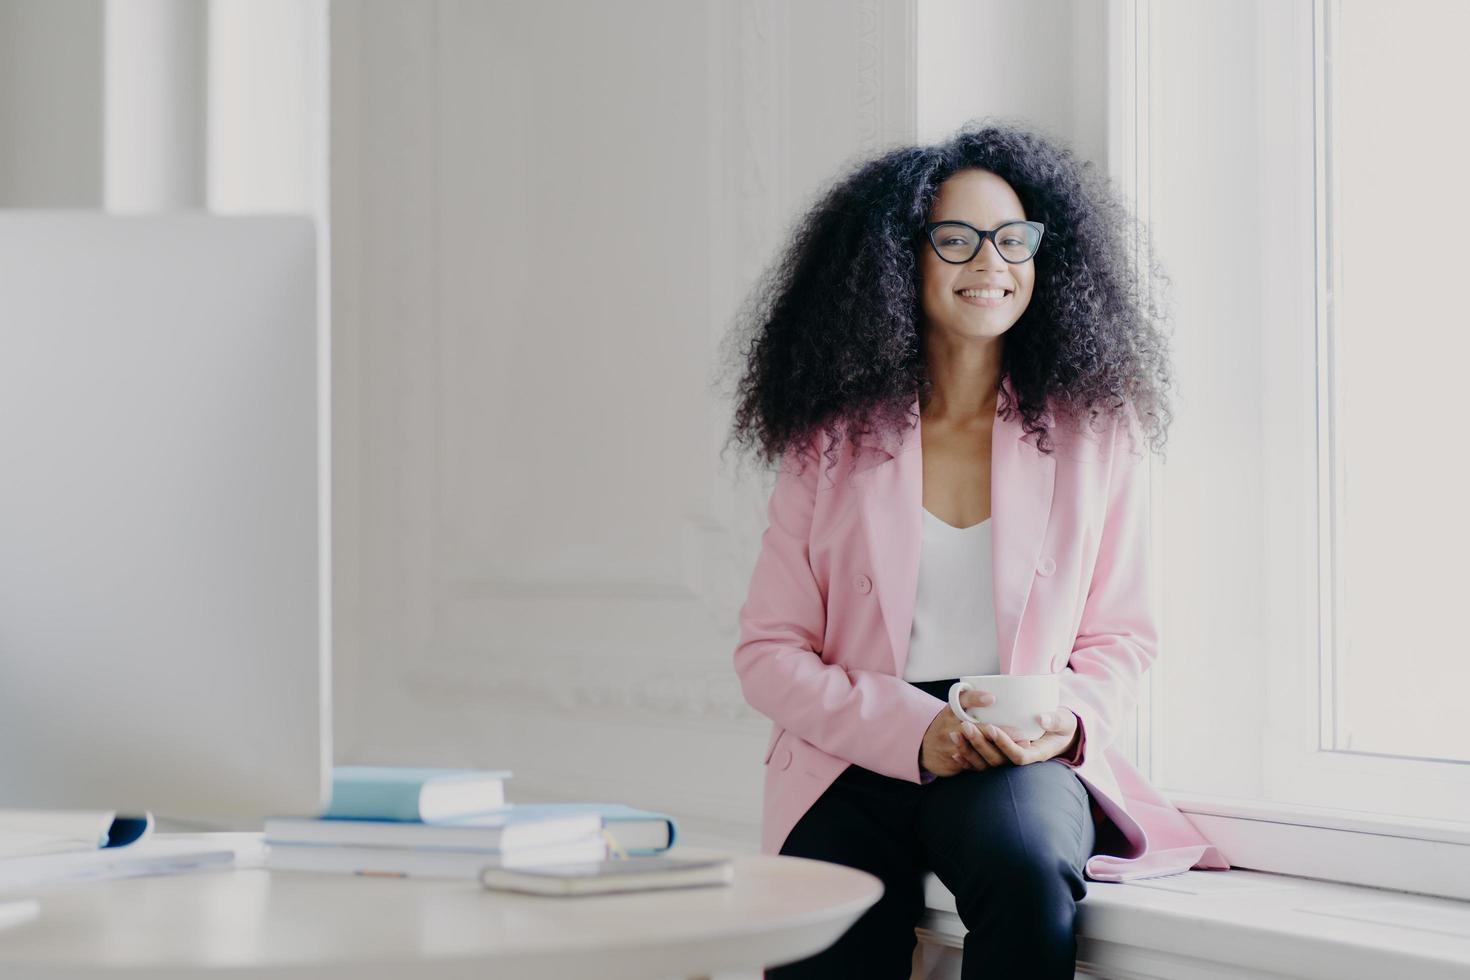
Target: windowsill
column 1236, row 923
column 1266, row 925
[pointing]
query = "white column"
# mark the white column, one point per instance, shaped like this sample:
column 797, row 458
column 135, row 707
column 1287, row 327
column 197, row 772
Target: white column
column 156, row 81
column 266, row 145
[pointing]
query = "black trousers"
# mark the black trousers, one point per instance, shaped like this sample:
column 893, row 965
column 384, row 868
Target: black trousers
column 1009, row 842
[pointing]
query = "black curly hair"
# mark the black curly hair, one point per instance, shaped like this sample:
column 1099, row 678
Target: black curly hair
column 830, row 336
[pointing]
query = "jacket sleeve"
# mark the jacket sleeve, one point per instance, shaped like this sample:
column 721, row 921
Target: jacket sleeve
column 1117, row 638
column 1075, row 757
column 872, row 718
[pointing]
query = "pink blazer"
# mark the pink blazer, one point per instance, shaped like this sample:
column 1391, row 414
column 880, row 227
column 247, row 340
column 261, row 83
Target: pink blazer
column 824, row 631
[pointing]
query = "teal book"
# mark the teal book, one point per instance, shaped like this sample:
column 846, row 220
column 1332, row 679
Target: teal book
column 636, row 831
column 412, row 794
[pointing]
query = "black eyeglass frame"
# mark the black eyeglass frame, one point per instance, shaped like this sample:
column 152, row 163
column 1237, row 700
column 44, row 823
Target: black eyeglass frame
column 931, row 225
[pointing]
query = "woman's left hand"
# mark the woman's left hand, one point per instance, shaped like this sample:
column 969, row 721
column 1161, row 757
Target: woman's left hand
column 1061, row 727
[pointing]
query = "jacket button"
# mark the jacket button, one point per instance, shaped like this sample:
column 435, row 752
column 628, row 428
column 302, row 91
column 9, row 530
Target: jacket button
column 784, row 759
column 1047, row 566
column 863, row 583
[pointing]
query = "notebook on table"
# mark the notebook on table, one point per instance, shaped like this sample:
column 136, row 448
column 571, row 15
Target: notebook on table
column 413, row 794
column 641, row 873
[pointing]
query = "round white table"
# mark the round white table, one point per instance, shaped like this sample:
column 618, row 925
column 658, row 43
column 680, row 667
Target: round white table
column 253, row 922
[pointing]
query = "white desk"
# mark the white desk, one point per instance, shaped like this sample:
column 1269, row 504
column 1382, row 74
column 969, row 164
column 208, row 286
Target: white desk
column 259, row 923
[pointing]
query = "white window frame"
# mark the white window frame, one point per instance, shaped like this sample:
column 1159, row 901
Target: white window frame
column 1336, row 833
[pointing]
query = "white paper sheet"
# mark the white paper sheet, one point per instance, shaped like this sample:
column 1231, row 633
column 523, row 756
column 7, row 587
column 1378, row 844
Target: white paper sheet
column 146, row 857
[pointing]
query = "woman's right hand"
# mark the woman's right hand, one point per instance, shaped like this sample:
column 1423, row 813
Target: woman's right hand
column 946, row 750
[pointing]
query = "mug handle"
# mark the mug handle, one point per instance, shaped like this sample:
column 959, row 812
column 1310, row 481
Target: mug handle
column 955, row 690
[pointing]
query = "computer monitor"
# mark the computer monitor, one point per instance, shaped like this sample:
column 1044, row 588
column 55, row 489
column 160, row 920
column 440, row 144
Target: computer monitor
column 164, row 555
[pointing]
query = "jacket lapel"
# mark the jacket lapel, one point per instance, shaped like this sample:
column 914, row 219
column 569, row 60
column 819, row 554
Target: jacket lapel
column 890, row 498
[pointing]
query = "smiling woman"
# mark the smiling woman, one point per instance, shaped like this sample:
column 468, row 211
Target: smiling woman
column 959, row 326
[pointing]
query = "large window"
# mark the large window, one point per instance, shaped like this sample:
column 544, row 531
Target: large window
column 1396, row 157
column 1300, row 164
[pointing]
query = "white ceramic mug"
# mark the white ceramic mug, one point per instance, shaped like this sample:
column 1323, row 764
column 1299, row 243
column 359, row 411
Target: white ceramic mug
column 1019, row 699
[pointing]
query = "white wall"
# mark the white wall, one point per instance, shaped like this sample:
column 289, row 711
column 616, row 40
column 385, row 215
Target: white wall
column 1042, row 62
column 547, row 561
column 267, row 112
column 51, row 103
column 543, row 218
column 155, row 71
column 161, row 104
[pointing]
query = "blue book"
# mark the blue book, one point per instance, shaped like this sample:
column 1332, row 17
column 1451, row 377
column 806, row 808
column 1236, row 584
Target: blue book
column 411, row 794
column 636, row 831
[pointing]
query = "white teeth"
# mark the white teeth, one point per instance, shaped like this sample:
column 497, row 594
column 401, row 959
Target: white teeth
column 983, row 293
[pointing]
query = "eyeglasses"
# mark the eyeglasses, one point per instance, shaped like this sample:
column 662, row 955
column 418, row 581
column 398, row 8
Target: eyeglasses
column 958, row 241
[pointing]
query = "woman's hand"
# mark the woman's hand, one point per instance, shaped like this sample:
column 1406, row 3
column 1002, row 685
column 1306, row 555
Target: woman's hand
column 949, row 749
column 1061, row 728
column 951, row 745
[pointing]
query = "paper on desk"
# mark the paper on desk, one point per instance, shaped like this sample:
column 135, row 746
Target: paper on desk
column 27, row 832
column 14, row 844
column 147, row 857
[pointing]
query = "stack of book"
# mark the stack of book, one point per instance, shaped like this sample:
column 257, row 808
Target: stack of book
column 452, row 823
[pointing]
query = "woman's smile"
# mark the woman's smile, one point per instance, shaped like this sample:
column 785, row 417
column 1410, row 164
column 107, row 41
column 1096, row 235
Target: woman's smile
column 986, row 302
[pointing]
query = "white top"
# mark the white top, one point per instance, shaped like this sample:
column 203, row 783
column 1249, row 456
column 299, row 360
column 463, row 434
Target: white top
column 954, row 611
